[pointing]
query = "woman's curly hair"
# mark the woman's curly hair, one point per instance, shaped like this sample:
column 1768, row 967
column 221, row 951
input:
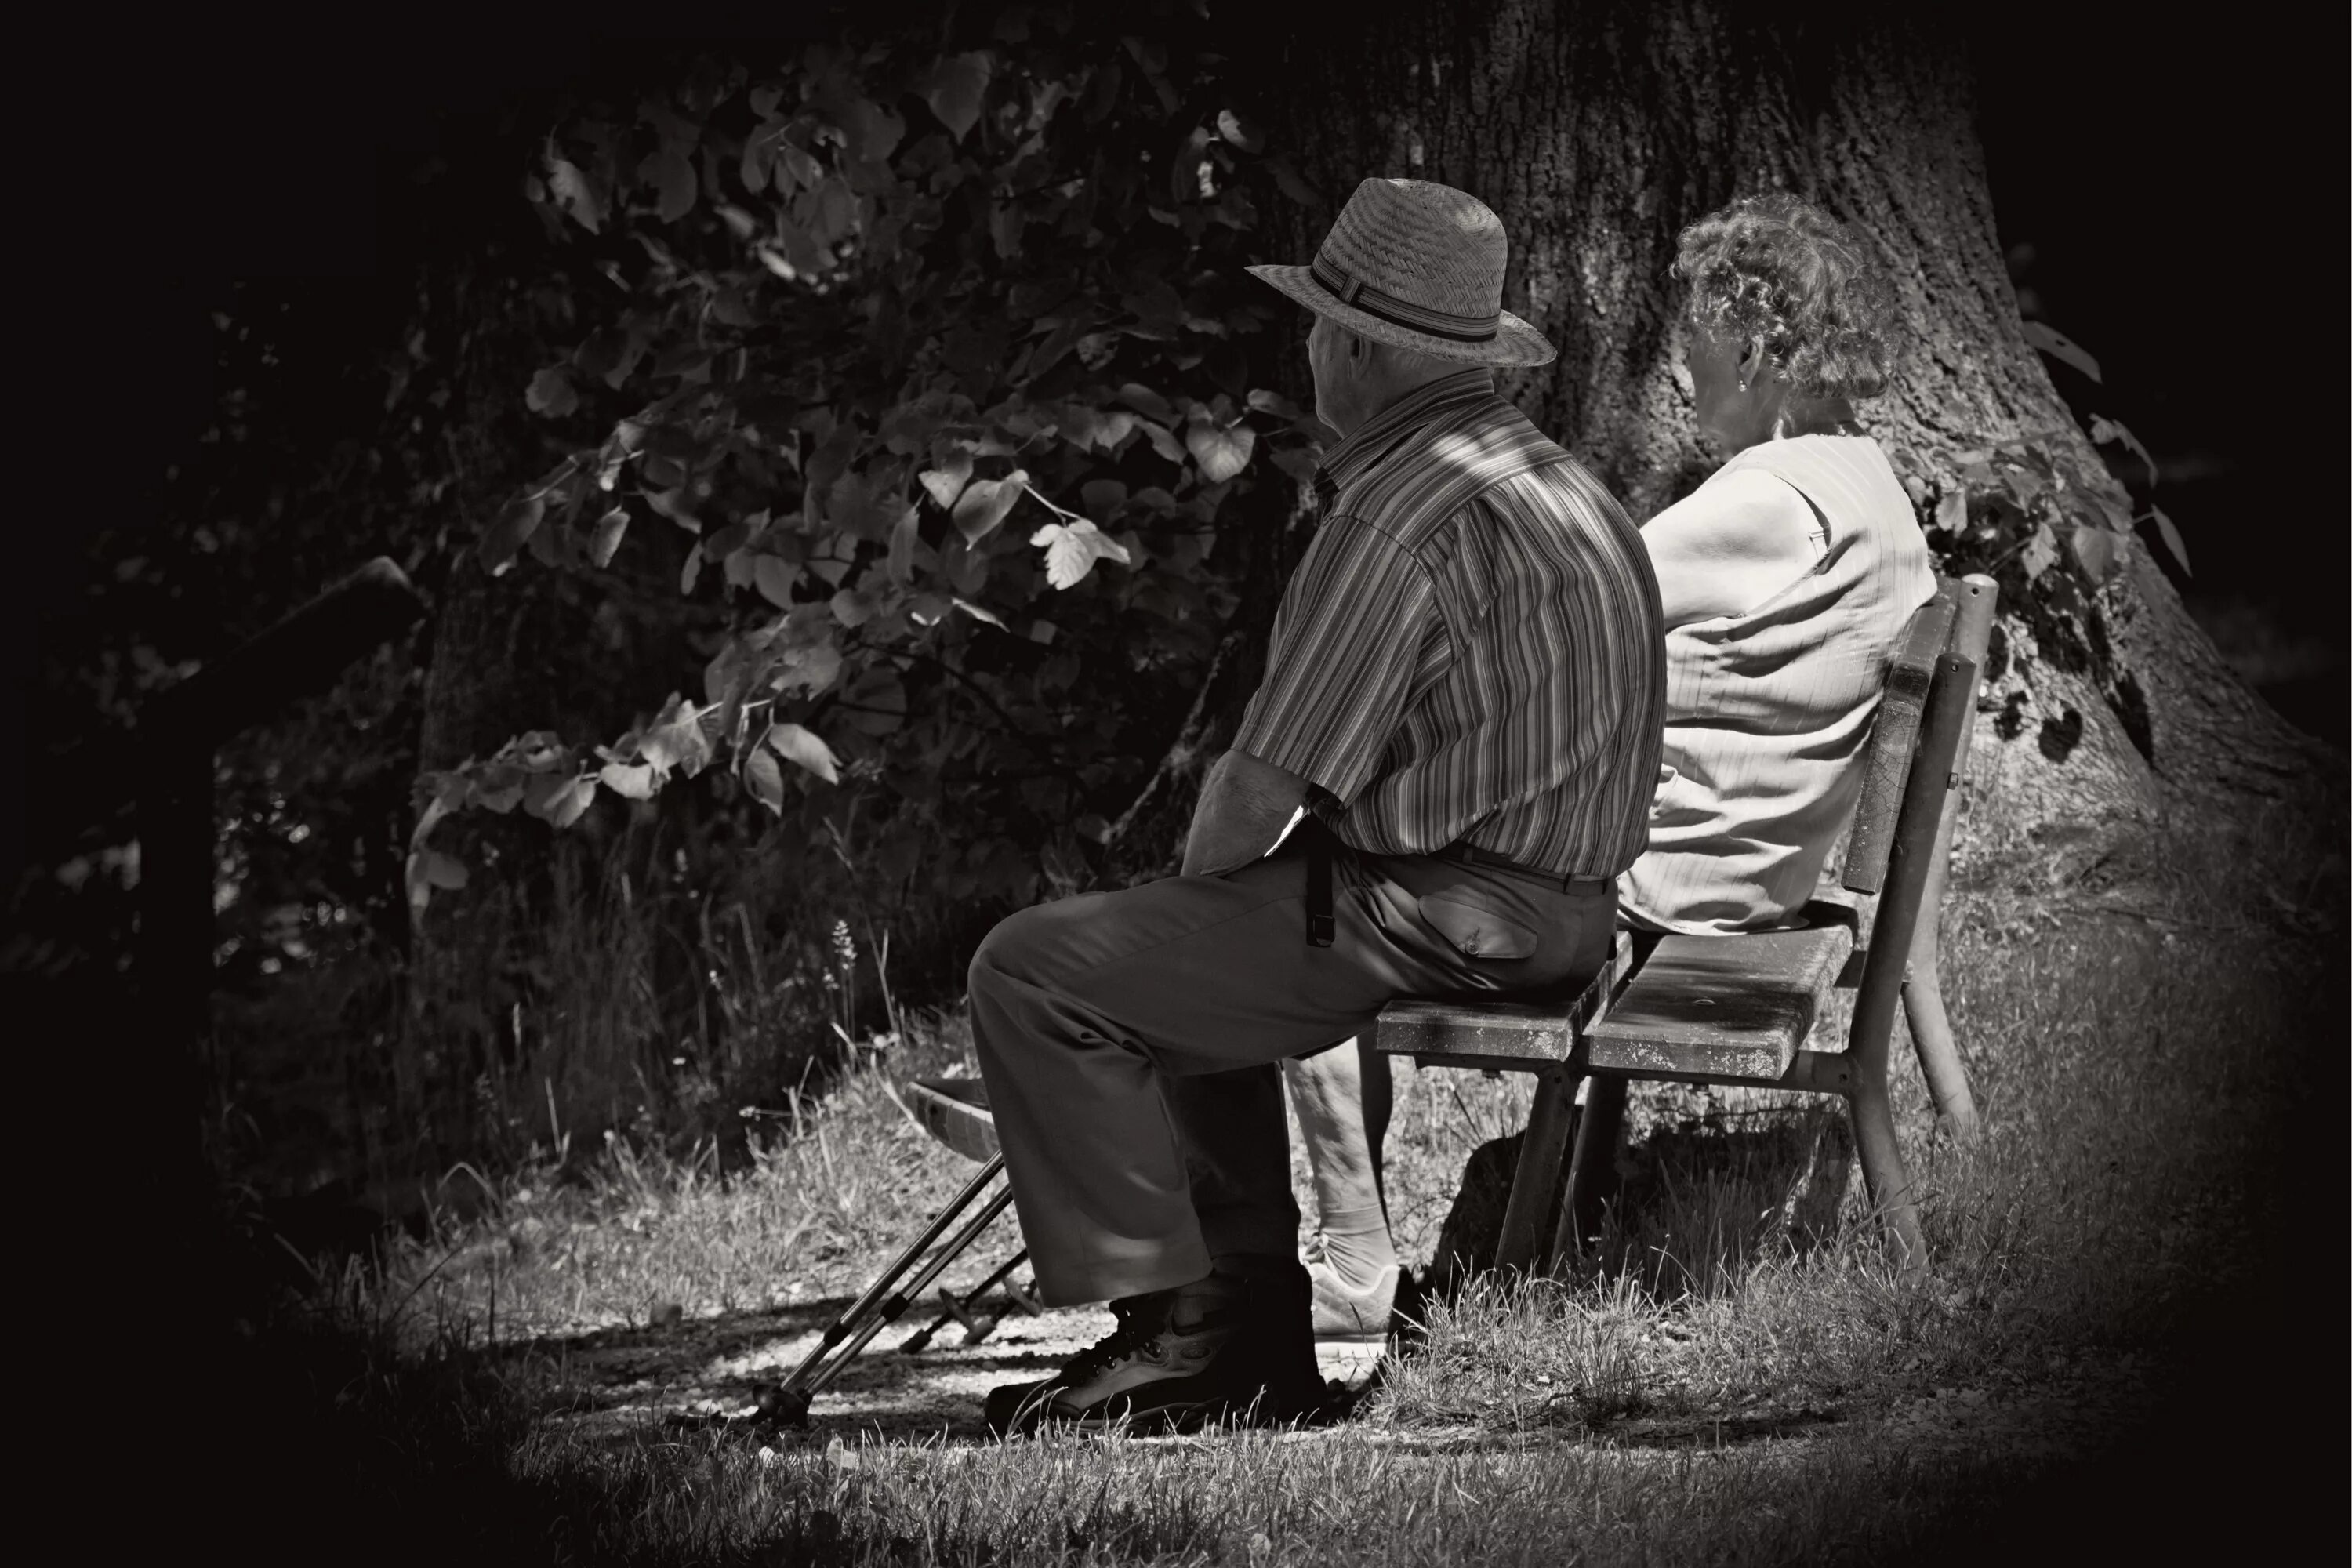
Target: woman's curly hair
column 1776, row 268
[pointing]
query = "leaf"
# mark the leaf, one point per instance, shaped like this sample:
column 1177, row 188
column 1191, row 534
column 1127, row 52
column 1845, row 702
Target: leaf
column 1072, row 549
column 551, row 393
column 946, row 482
column 691, row 571
column 1952, row 510
column 2061, row 347
column 607, row 536
column 1298, row 464
column 810, row 669
column 851, row 608
column 870, row 132
column 672, row 176
column 630, row 782
column 1240, row 133
column 1273, row 403
column 671, row 503
column 978, row 614
column 558, row 798
column 2041, row 552
column 2170, row 535
column 508, row 530
column 575, row 195
column 904, row 536
column 1148, row 402
column 1163, row 441
column 984, row 503
column 1221, row 454
column 2097, row 551
column 677, row 742
column 765, row 780
column 773, row 576
column 2104, row 431
column 499, row 790
column 795, row 744
column 1084, row 428
column 957, row 85
column 441, row 870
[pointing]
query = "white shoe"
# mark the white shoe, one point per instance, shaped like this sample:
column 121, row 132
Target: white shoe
column 1344, row 1311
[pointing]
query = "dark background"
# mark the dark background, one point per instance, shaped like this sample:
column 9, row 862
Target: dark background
column 2181, row 194
column 2171, row 199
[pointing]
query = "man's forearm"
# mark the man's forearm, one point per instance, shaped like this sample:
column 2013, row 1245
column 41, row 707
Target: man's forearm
column 1245, row 806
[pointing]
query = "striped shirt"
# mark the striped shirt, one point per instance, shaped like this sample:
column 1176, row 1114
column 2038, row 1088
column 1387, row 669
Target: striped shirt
column 1768, row 708
column 1470, row 649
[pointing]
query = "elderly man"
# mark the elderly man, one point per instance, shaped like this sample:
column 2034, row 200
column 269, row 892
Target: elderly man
column 1465, row 692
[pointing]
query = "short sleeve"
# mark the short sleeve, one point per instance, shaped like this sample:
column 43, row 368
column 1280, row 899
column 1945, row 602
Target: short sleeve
column 1346, row 642
column 1730, row 545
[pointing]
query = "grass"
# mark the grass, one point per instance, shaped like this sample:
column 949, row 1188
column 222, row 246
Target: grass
column 1737, row 1376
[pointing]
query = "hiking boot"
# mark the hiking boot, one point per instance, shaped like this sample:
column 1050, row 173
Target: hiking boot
column 1181, row 1359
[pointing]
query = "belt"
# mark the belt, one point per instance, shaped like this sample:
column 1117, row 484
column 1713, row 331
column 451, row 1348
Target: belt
column 1321, row 926
column 1464, row 853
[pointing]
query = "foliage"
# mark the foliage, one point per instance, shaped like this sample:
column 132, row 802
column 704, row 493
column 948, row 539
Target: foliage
column 868, row 310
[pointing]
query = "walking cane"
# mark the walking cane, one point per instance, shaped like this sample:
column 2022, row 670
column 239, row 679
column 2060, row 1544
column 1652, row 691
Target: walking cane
column 959, row 1308
column 796, row 1412
column 789, row 1400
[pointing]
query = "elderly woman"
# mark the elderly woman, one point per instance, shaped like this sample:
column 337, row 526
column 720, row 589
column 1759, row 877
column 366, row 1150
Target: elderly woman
column 1787, row 580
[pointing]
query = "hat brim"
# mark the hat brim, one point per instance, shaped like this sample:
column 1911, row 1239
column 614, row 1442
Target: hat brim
column 1513, row 343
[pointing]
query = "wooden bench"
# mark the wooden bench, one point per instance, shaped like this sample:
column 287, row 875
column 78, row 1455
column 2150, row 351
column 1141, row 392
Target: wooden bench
column 1737, row 1009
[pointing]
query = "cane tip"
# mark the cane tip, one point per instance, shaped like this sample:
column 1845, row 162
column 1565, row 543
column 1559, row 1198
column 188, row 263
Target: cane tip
column 782, row 1406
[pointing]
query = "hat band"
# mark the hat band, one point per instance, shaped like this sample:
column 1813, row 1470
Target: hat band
column 1360, row 295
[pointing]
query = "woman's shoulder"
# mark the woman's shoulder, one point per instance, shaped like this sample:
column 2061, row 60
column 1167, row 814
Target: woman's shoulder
column 1736, row 494
column 1797, row 454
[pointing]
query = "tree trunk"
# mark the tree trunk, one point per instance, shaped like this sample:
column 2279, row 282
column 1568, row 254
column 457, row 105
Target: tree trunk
column 1597, row 132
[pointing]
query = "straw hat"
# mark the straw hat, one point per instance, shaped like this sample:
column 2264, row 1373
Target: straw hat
column 1419, row 266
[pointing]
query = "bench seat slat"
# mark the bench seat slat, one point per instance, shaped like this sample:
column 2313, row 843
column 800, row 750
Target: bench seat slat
column 1731, row 1008
column 955, row 1111
column 1501, row 1033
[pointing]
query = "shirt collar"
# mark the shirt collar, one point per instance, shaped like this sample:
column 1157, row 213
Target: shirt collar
column 1376, row 438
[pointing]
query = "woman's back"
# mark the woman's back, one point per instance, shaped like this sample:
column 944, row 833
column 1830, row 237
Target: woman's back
column 1768, row 708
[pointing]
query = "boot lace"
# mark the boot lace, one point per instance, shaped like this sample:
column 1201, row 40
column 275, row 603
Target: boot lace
column 1141, row 1320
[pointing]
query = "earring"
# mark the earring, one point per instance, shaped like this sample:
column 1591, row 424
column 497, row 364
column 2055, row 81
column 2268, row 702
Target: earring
column 1743, row 386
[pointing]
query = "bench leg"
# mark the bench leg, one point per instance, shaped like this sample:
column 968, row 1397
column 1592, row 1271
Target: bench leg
column 1591, row 1164
column 1931, row 1035
column 1527, row 1217
column 1882, row 1171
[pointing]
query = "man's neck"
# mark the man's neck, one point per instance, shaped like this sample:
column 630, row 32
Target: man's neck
column 1392, row 392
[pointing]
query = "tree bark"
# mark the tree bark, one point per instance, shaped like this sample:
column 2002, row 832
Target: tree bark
column 1597, row 130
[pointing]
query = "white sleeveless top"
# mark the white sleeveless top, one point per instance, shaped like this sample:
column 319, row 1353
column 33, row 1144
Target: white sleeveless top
column 1767, row 713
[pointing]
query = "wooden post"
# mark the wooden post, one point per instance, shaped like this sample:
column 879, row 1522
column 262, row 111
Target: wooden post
column 1923, row 995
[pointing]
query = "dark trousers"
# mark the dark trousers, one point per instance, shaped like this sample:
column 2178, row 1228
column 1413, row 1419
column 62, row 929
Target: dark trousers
column 1129, row 1040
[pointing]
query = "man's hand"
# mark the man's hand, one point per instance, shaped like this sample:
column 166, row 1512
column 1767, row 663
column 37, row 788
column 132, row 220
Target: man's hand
column 1245, row 806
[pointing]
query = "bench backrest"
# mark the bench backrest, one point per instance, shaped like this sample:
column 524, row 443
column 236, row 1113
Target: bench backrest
column 1893, row 735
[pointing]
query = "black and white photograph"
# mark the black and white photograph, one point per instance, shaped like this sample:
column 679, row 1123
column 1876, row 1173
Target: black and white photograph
column 1002, row 782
